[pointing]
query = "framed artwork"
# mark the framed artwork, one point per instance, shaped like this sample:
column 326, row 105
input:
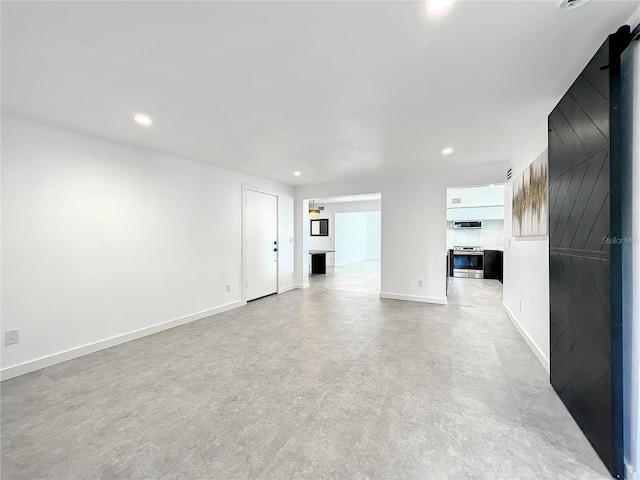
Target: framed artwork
column 530, row 202
column 320, row 228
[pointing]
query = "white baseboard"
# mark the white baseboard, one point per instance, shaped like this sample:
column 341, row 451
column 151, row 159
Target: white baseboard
column 414, row 298
column 532, row 344
column 287, row 289
column 302, row 286
column 39, row 363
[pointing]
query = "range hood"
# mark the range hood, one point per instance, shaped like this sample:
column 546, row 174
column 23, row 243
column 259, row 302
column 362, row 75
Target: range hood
column 466, row 224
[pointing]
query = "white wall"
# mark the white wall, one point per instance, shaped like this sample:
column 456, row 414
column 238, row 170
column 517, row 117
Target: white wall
column 357, row 237
column 329, row 212
column 103, row 242
column 328, row 242
column 301, row 246
column 285, row 244
column 351, row 237
column 527, row 259
column 374, row 235
column 413, row 225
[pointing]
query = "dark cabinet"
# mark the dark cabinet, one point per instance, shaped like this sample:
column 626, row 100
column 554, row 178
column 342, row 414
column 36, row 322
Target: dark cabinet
column 319, row 263
column 493, row 264
column 451, row 262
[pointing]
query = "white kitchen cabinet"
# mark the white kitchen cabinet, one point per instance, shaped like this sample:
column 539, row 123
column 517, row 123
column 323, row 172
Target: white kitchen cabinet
column 475, row 213
column 461, row 214
column 450, row 213
column 475, row 196
column 491, row 213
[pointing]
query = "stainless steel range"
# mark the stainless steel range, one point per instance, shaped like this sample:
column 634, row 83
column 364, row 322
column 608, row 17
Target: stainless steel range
column 468, row 262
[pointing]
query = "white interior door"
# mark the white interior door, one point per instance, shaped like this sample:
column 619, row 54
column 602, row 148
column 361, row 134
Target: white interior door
column 261, row 229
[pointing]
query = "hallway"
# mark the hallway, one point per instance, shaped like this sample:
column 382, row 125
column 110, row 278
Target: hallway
column 320, row 383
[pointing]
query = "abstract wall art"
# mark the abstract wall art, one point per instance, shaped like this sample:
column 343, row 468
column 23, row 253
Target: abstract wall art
column 530, row 199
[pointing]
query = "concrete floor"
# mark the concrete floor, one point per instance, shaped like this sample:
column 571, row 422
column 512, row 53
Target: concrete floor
column 320, row 383
column 362, row 278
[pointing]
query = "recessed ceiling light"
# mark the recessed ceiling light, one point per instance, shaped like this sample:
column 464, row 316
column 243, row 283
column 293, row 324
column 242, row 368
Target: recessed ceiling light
column 142, row 119
column 447, row 151
column 296, row 173
column 492, row 185
column 438, row 6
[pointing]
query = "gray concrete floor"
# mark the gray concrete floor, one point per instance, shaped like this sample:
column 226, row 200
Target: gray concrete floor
column 362, row 278
column 329, row 382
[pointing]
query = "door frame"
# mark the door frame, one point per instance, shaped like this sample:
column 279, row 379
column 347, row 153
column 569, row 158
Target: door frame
column 265, row 191
column 302, row 229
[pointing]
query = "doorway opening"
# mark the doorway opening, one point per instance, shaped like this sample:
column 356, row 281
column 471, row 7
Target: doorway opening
column 475, row 239
column 345, row 240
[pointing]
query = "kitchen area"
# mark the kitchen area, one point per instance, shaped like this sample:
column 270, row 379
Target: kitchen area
column 475, row 232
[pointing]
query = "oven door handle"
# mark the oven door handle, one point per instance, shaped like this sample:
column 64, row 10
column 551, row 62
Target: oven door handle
column 468, row 253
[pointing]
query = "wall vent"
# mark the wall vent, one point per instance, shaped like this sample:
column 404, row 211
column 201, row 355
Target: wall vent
column 509, row 172
column 456, row 200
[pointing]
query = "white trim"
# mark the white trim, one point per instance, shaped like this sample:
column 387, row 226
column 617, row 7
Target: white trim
column 243, row 213
column 287, row 289
column 302, row 286
column 39, row 363
column 414, row 298
column 631, row 474
column 532, row 344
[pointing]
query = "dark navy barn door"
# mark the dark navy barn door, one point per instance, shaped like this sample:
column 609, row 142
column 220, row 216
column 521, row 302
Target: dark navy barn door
column 583, row 266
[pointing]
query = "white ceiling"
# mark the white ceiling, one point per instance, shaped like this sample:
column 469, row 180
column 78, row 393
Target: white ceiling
column 337, row 90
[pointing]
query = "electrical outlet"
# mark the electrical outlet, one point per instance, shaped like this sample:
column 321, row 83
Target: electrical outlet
column 420, row 283
column 228, row 288
column 11, row 336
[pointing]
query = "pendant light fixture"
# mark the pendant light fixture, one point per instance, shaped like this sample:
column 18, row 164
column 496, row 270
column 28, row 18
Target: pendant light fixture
column 313, row 211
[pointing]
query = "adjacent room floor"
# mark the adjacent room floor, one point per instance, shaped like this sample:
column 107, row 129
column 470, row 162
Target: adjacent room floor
column 319, row 383
column 361, row 277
